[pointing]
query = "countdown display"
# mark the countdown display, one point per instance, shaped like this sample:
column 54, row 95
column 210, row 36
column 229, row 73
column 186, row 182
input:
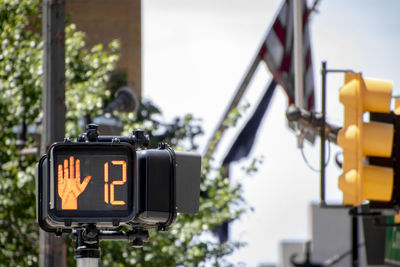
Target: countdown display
column 92, row 181
column 113, row 183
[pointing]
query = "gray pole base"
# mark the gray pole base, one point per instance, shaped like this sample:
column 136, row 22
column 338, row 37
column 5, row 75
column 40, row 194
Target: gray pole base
column 87, row 262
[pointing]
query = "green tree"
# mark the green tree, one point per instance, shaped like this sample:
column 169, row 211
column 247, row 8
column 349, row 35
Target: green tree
column 187, row 243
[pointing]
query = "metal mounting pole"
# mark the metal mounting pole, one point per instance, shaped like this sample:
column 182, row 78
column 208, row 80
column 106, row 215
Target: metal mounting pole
column 87, row 262
column 354, row 239
column 87, row 252
column 298, row 53
column 324, row 72
column 322, row 133
column 53, row 249
column 87, row 249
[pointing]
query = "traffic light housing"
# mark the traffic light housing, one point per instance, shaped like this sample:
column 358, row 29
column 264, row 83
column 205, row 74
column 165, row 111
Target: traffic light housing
column 360, row 181
column 110, row 181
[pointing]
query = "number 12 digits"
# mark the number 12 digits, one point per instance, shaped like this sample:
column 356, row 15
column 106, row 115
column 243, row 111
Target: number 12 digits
column 111, row 199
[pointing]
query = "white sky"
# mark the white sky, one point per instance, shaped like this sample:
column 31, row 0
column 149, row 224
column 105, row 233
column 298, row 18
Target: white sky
column 196, row 52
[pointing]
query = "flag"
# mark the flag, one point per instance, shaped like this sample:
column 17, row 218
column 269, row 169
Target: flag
column 244, row 142
column 277, row 51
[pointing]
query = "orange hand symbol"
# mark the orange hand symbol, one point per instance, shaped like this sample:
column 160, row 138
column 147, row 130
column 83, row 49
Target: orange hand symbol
column 69, row 184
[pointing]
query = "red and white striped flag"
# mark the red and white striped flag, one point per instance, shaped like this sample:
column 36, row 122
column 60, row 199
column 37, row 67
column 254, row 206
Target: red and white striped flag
column 277, row 52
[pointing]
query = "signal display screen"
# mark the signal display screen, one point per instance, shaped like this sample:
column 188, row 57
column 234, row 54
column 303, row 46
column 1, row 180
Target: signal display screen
column 92, row 181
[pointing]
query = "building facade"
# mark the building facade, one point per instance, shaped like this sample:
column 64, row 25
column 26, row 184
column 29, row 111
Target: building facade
column 105, row 20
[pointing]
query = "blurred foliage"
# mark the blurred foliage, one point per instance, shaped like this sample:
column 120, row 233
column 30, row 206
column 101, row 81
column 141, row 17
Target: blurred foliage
column 189, row 242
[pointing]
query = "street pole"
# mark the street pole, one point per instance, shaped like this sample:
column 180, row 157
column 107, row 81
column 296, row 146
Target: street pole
column 53, row 249
column 322, row 134
column 354, row 239
column 298, row 53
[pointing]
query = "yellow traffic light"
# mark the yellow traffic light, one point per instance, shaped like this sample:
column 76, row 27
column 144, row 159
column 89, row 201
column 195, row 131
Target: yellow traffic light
column 360, row 182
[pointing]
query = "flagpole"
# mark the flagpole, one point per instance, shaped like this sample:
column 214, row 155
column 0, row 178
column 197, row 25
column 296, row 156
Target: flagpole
column 218, row 132
column 213, row 142
column 298, row 53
